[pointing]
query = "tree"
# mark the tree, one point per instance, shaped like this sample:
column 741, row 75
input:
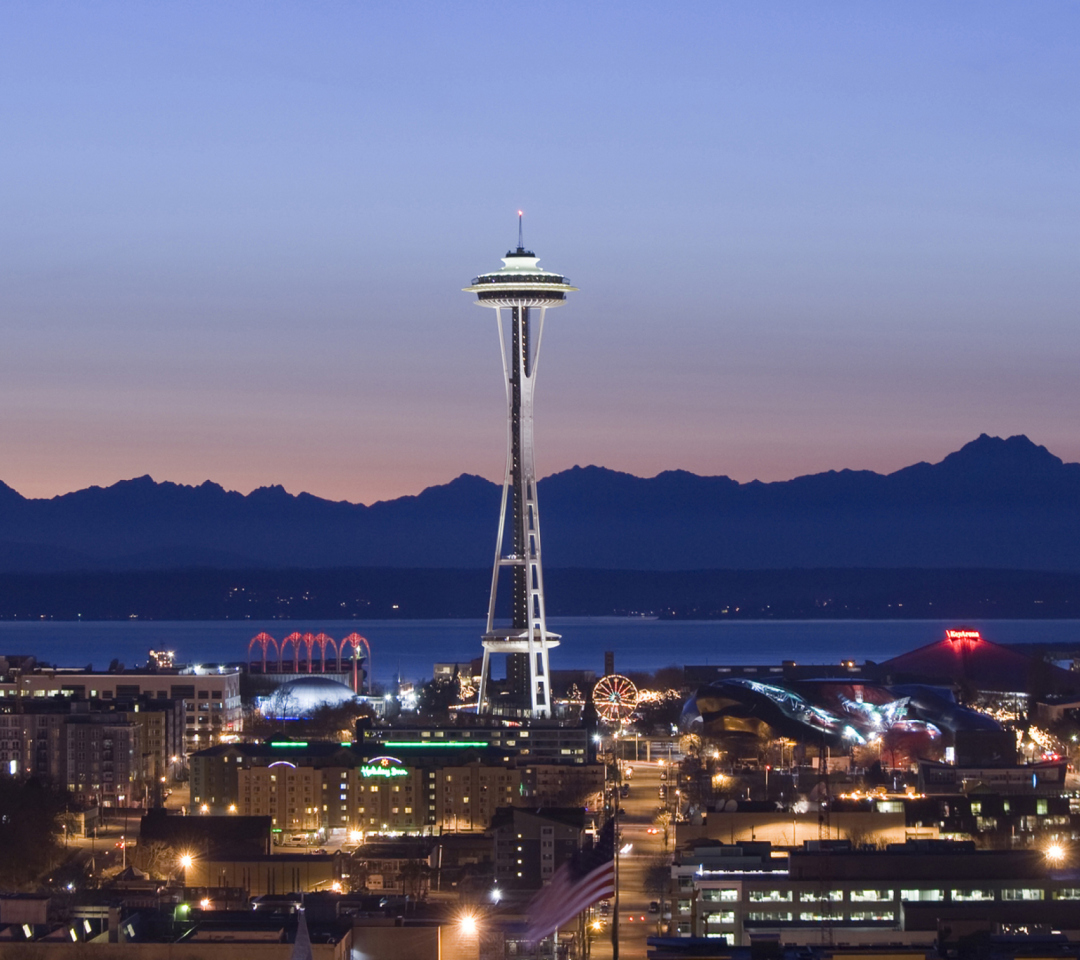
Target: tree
column 438, row 696
column 657, row 881
column 414, row 878
column 30, row 827
column 156, row 858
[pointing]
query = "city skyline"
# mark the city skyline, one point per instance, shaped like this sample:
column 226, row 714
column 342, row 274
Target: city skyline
column 806, row 239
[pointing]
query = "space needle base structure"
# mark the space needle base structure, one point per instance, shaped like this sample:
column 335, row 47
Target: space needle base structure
column 520, row 294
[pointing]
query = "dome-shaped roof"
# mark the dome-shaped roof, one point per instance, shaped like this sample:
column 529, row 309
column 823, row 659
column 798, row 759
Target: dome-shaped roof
column 306, row 694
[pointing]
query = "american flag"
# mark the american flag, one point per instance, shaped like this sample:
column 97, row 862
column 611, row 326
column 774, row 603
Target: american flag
column 581, row 881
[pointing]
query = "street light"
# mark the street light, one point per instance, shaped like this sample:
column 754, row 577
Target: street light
column 468, row 924
column 1055, row 854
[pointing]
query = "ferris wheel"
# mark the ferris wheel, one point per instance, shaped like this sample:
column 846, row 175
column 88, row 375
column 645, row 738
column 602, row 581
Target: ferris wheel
column 615, row 698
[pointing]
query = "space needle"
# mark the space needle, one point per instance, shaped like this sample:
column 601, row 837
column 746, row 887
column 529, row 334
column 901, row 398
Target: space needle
column 526, row 292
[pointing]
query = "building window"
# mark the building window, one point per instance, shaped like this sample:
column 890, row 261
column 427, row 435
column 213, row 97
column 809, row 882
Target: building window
column 821, row 896
column 770, row 916
column 922, row 895
column 870, row 915
column 726, row 895
column 1067, row 893
column 968, row 894
column 870, row 896
column 769, row 896
column 1022, row 893
column 723, row 917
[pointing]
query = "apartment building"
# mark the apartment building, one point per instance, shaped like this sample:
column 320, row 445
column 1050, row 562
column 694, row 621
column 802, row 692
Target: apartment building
column 34, row 741
column 104, row 759
column 212, row 705
column 531, row 844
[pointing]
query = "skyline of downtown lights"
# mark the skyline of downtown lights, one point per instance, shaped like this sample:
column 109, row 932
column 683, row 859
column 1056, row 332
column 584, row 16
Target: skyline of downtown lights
column 805, row 239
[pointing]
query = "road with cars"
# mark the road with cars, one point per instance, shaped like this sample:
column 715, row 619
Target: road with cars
column 636, row 922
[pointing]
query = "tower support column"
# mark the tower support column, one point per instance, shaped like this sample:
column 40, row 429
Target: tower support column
column 528, row 292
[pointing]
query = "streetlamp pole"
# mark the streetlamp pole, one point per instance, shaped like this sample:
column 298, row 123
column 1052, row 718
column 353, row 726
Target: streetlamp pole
column 615, row 912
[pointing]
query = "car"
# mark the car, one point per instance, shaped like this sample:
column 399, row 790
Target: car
column 605, row 907
column 653, row 830
column 663, row 775
column 654, row 907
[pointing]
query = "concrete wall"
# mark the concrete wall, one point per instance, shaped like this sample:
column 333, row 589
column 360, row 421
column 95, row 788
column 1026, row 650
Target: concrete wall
column 266, row 875
column 399, row 943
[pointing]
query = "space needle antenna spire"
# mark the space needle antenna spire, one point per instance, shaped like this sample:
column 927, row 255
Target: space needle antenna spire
column 520, row 294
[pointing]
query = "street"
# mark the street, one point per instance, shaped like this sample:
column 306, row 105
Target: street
column 641, row 806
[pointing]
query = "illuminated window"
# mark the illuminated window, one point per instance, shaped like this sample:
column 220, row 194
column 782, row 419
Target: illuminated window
column 922, row 895
column 968, row 894
column 769, row 896
column 870, row 896
column 1022, row 893
column 878, row 914
column 821, row 896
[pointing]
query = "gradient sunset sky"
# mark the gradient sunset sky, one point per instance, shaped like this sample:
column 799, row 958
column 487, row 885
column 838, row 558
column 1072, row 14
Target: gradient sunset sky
column 807, row 236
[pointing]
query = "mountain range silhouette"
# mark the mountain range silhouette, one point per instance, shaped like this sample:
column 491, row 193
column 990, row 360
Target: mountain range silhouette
column 995, row 503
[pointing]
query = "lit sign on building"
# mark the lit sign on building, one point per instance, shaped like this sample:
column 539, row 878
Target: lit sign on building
column 963, row 636
column 383, row 767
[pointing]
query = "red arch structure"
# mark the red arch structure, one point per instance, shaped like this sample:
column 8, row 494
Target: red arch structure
column 263, row 640
column 356, row 641
column 308, row 640
column 294, row 639
column 322, row 641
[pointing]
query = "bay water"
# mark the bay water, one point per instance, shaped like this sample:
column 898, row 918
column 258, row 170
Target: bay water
column 409, row 648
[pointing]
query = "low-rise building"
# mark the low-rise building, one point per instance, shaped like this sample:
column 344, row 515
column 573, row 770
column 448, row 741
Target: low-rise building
column 531, row 844
column 857, row 896
column 539, row 743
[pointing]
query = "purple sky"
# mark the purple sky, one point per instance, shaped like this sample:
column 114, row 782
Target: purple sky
column 807, row 236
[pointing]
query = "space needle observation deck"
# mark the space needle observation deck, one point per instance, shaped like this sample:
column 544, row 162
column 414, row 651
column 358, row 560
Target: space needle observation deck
column 526, row 293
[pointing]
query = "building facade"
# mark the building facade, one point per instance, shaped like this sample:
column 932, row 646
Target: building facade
column 212, row 707
column 531, row 844
column 736, row 891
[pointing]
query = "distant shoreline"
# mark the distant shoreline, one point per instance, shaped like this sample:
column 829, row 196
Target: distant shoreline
column 388, row 593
